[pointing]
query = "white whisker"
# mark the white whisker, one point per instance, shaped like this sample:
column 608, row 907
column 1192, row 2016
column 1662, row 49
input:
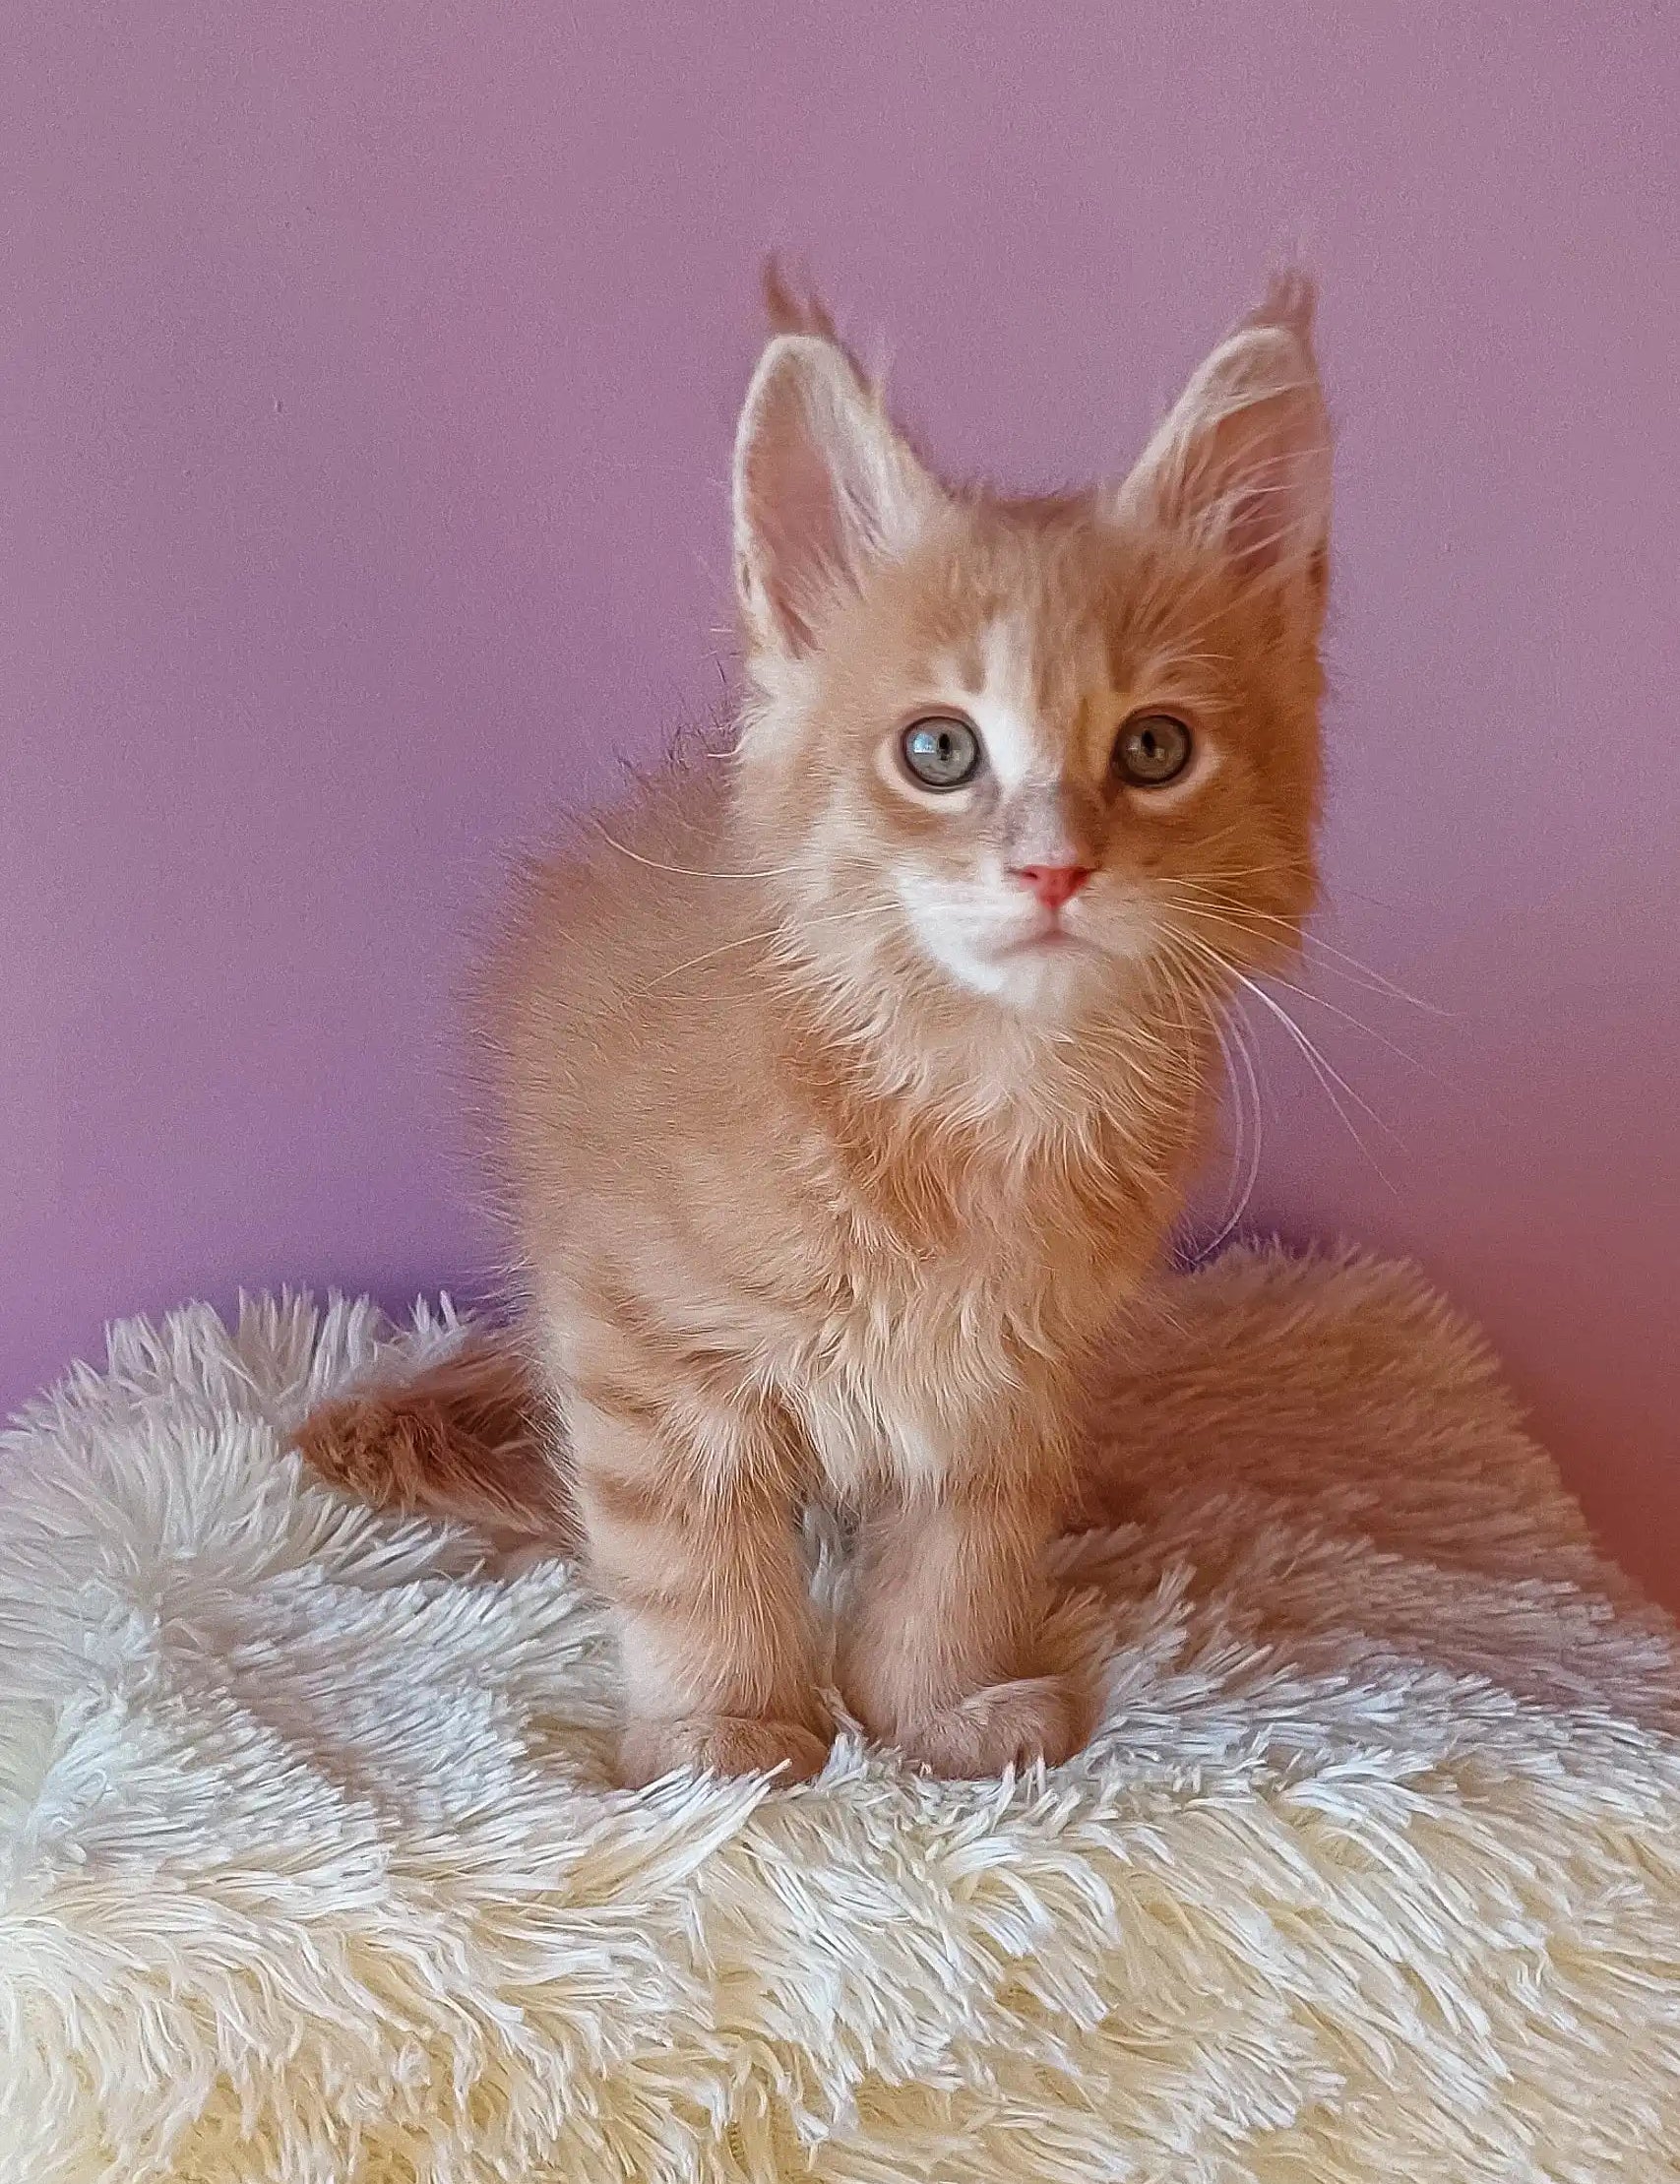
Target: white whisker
column 1211, row 906
column 1327, row 1076
column 1238, row 1203
column 688, row 872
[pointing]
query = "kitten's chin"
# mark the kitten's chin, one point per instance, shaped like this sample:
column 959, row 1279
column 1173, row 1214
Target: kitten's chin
column 1051, row 982
column 1054, row 977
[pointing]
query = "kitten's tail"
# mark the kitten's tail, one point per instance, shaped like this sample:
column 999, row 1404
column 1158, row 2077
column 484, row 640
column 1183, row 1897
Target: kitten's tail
column 464, row 1439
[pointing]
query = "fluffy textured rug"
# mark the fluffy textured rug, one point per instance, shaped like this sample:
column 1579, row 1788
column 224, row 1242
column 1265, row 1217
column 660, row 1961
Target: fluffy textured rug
column 310, row 1868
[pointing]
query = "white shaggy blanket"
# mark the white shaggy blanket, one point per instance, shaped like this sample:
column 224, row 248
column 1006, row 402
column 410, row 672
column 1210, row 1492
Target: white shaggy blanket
column 310, row 1869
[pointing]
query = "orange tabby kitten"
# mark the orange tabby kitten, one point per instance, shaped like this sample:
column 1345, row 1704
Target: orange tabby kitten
column 849, row 1083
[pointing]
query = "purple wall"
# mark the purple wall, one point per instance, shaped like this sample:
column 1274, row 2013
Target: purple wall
column 368, row 380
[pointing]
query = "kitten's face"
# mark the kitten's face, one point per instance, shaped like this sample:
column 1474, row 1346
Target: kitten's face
column 1038, row 749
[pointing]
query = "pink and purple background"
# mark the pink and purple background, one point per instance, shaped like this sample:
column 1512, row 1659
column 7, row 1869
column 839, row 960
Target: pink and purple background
column 369, row 374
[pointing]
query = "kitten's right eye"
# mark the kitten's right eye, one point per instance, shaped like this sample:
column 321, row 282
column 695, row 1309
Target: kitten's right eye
column 941, row 752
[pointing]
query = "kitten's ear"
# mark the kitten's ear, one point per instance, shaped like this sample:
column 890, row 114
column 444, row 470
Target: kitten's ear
column 825, row 487
column 1243, row 458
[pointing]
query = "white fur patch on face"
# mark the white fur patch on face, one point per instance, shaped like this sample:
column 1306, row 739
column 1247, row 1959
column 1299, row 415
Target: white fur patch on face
column 995, row 942
column 1006, row 708
column 943, row 923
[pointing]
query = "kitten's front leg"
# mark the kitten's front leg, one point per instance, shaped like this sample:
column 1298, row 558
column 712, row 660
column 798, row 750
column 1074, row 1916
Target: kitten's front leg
column 943, row 1656
column 689, row 1511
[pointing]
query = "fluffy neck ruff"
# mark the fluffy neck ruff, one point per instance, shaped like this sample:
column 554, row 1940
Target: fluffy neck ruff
column 908, row 1073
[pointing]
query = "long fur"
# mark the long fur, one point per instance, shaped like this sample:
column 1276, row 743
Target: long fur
column 463, row 1438
column 830, row 1164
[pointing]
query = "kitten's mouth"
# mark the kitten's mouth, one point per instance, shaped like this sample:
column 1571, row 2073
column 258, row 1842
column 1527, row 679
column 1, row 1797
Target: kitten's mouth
column 1048, row 937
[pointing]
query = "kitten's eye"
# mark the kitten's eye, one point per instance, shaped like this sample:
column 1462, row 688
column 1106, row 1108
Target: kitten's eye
column 941, row 753
column 1154, row 749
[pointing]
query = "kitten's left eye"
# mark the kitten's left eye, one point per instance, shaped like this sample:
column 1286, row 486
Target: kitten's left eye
column 1154, row 749
column 941, row 753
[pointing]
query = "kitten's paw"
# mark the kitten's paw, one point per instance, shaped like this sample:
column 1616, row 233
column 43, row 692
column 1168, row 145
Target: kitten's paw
column 719, row 1743
column 1007, row 1724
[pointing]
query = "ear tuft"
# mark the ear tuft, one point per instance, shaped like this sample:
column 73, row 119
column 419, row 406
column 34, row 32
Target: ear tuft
column 1243, row 460
column 824, row 489
column 1291, row 303
column 794, row 310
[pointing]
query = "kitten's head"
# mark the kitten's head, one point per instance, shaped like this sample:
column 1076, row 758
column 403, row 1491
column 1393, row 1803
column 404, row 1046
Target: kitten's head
column 1031, row 750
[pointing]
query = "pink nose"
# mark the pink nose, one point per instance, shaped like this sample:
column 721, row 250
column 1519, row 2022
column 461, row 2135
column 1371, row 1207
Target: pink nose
column 1053, row 884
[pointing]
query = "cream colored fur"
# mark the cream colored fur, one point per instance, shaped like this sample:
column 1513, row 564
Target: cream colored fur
column 311, row 1869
